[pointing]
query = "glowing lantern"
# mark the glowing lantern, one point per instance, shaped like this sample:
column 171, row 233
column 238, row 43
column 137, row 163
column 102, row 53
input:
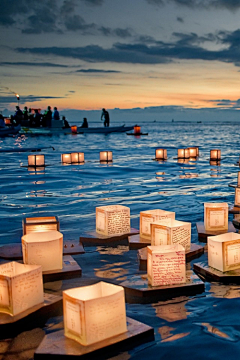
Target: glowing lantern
column 74, row 129
column 94, row 313
column 224, row 251
column 216, row 216
column 7, row 121
column 151, row 216
column 237, row 197
column 37, row 224
column 105, row 156
column 183, row 153
column 171, row 232
column 112, row 220
column 215, row 155
column 43, row 248
column 166, row 265
column 137, row 129
column 238, row 179
column 66, row 158
column 77, row 157
column 36, row 160
column 161, row 154
column 21, row 287
column 193, row 152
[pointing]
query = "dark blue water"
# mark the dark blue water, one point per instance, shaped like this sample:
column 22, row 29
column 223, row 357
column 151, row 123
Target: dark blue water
column 205, row 326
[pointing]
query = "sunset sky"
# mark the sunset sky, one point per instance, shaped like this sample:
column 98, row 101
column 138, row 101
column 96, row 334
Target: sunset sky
column 89, row 54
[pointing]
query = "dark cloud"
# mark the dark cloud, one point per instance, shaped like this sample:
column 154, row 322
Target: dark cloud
column 97, row 71
column 26, row 99
column 122, row 33
column 41, row 64
column 76, row 22
column 201, row 4
column 179, row 19
column 93, row 2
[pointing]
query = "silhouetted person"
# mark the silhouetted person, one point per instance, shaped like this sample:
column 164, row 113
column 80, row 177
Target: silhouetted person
column 105, row 115
column 18, row 116
column 37, row 118
column 66, row 124
column 2, row 122
column 48, row 117
column 85, row 123
column 55, row 114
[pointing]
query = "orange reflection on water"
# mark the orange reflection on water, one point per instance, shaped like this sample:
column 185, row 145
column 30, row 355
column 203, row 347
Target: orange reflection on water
column 111, row 271
column 225, row 291
column 171, row 311
column 215, row 331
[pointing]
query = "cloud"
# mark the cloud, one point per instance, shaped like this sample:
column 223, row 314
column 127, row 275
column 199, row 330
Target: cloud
column 179, row 19
column 97, row 71
column 230, row 5
column 41, row 64
column 26, row 99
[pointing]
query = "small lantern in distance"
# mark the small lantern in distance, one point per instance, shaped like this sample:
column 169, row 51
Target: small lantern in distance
column 74, row 129
column 112, row 220
column 215, row 155
column 94, row 313
column 216, row 216
column 66, row 158
column 77, row 157
column 160, row 154
column 36, row 160
column 106, row 156
column 183, row 153
column 137, row 130
column 38, row 224
column 193, row 153
column 21, row 287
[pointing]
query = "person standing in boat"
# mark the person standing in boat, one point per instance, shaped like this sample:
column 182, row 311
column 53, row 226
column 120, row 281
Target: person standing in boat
column 47, row 117
column 18, row 116
column 2, row 122
column 105, row 116
column 55, row 114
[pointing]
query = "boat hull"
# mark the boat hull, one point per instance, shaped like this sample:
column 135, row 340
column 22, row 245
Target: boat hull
column 91, row 130
column 10, row 130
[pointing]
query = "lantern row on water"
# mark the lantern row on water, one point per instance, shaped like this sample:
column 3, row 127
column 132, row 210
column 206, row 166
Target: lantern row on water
column 72, row 158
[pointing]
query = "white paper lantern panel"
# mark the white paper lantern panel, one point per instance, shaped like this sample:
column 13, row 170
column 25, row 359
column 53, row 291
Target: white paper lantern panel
column 171, row 232
column 237, row 197
column 105, row 156
column 166, row 265
column 150, row 216
column 36, row 160
column 216, row 216
column 43, row 223
column 224, row 251
column 94, row 313
column 183, row 153
column 161, row 154
column 43, row 248
column 238, row 179
column 215, row 154
column 21, row 287
column 112, row 220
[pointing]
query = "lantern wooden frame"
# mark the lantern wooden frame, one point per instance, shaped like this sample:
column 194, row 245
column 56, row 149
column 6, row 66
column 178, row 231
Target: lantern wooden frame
column 36, row 160
column 42, row 223
column 237, row 197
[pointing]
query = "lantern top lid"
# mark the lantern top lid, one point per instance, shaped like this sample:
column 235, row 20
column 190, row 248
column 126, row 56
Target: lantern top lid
column 42, row 236
column 112, row 207
column 166, row 248
column 155, row 212
column 225, row 237
column 91, row 292
column 33, row 220
column 14, row 268
column 216, row 205
column 170, row 222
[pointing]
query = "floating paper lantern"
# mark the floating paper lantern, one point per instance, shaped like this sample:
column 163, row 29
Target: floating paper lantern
column 137, row 129
column 151, row 216
column 36, row 160
column 193, row 152
column 94, row 313
column 215, row 155
column 237, row 197
column 21, row 287
column 161, row 154
column 74, row 129
column 216, row 216
column 43, row 248
column 112, row 220
column 66, row 158
column 183, row 153
column 224, row 251
column 7, row 121
column 77, row 157
column 37, row 224
column 171, row 232
column 238, row 179
column 106, row 156
column 166, row 265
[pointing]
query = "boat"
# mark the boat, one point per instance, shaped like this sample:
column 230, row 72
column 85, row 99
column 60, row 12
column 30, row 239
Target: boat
column 9, row 130
column 73, row 130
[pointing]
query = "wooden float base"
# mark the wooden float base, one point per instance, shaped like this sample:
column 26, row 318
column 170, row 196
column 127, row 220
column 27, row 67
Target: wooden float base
column 236, row 223
column 234, row 210
column 55, row 345
column 94, row 239
column 203, row 233
column 137, row 134
column 14, row 251
column 195, row 251
column 31, row 318
column 232, row 185
column 70, row 270
column 138, row 291
column 211, row 274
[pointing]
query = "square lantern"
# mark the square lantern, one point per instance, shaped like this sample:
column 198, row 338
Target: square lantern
column 238, row 179
column 193, row 152
column 183, row 153
column 74, row 129
column 215, row 155
column 77, row 157
column 150, row 216
column 106, row 156
column 112, row 220
column 161, row 154
column 21, row 287
column 94, row 313
column 216, row 216
column 36, row 160
column 237, row 197
column 37, row 224
column 66, row 158
column 166, row 265
column 43, row 248
column 137, row 129
column 171, row 232
column 224, row 251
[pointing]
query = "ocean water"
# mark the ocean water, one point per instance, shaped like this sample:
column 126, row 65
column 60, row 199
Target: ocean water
column 206, row 325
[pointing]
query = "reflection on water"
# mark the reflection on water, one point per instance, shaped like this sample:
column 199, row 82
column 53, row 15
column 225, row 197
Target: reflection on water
column 225, row 291
column 215, row 331
column 171, row 312
column 111, row 271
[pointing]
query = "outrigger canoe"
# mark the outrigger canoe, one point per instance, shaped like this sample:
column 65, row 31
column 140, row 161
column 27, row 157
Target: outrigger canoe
column 76, row 130
column 9, row 130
